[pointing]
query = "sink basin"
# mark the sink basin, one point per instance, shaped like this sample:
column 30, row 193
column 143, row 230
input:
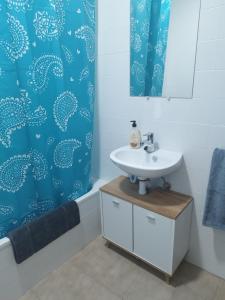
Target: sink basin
column 146, row 165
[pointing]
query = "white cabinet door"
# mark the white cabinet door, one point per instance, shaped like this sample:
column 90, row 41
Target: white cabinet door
column 153, row 238
column 117, row 221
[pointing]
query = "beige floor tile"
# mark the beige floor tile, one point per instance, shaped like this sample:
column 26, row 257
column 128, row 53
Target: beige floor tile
column 101, row 273
column 96, row 259
column 29, row 296
column 119, row 277
column 220, row 293
column 146, row 288
column 72, row 284
column 97, row 292
column 197, row 280
column 58, row 287
column 130, row 276
column 107, row 266
column 184, row 293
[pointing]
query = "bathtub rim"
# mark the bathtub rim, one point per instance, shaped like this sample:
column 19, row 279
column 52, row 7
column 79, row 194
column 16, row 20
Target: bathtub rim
column 5, row 242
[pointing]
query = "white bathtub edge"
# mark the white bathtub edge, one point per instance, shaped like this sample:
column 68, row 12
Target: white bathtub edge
column 5, row 242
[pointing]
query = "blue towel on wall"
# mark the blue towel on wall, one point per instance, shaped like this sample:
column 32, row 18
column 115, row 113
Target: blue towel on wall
column 214, row 215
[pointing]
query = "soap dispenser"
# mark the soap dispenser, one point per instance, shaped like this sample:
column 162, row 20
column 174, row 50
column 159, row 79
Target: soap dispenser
column 135, row 136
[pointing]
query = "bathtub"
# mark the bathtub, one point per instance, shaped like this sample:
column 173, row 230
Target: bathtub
column 15, row 279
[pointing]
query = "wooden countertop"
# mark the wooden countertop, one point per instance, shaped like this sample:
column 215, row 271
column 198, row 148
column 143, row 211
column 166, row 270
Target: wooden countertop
column 166, row 203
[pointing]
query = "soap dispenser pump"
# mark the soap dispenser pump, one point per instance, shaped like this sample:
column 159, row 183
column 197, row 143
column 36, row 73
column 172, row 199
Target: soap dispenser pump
column 135, row 136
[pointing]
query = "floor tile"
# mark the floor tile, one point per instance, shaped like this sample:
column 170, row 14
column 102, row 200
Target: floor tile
column 96, row 291
column 199, row 281
column 57, row 287
column 184, row 293
column 220, row 293
column 97, row 260
column 29, row 296
column 109, row 266
column 80, row 286
column 145, row 288
column 102, row 273
column 69, row 283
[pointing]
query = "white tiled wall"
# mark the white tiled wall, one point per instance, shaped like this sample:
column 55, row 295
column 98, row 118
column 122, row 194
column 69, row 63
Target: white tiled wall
column 194, row 126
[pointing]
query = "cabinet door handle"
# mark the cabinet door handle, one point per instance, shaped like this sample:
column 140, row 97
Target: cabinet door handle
column 116, row 203
column 150, row 218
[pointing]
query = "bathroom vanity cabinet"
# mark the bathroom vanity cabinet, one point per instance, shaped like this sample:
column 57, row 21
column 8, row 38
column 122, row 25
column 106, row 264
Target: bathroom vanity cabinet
column 153, row 227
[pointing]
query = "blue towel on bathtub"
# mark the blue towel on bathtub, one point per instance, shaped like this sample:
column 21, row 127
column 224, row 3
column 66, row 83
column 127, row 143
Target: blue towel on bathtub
column 214, row 215
column 30, row 238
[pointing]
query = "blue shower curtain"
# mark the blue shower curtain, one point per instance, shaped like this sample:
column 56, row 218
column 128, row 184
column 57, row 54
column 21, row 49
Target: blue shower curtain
column 149, row 34
column 47, row 93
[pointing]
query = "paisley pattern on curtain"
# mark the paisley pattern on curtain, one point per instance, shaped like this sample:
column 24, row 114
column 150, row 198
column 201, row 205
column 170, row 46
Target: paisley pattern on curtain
column 47, row 93
column 149, row 35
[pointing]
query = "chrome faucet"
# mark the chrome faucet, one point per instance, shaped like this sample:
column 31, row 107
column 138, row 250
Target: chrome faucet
column 149, row 145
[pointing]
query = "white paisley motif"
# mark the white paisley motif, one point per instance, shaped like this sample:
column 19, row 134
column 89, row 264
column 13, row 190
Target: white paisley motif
column 42, row 205
column 39, row 165
column 145, row 29
column 133, row 22
column 64, row 108
column 136, row 43
column 154, row 91
column 46, row 205
column 57, row 183
column 138, row 71
column 50, row 141
column 78, row 185
column 68, row 54
column 87, row 34
column 158, row 74
column 89, row 140
column 63, row 154
column 13, row 173
column 87, row 168
column 141, row 5
column 90, row 10
column 28, row 218
column 19, row 5
column 84, row 74
column 77, row 190
column 73, row 196
column 16, row 113
column 19, row 45
column 85, row 114
column 91, row 94
column 38, row 73
column 47, row 26
column 164, row 36
column 6, row 210
column 159, row 48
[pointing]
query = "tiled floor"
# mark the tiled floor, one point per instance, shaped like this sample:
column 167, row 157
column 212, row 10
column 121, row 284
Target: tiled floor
column 101, row 273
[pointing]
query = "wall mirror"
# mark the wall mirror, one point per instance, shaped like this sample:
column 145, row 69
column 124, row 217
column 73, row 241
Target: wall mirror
column 163, row 47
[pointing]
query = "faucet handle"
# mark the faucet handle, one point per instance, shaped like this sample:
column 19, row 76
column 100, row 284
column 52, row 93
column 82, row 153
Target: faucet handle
column 150, row 136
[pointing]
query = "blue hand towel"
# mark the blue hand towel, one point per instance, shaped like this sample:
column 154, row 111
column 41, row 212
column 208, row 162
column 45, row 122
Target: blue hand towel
column 214, row 215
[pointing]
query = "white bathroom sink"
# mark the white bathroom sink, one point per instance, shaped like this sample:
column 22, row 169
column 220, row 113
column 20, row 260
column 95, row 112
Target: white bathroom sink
column 146, row 165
